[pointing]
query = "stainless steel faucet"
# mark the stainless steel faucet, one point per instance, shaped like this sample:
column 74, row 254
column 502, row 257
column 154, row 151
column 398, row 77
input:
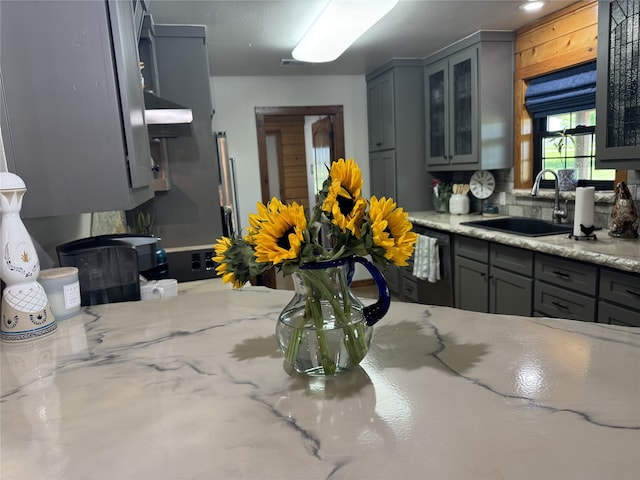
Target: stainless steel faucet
column 558, row 213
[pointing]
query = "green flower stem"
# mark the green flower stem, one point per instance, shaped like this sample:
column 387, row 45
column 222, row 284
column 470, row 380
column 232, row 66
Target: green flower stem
column 354, row 339
column 328, row 365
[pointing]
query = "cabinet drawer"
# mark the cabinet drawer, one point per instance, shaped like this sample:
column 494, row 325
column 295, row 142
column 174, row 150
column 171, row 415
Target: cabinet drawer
column 566, row 273
column 558, row 302
column 514, row 259
column 617, row 315
column 472, row 248
column 620, row 287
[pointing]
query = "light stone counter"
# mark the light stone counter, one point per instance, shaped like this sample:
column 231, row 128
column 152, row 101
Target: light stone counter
column 605, row 251
column 193, row 387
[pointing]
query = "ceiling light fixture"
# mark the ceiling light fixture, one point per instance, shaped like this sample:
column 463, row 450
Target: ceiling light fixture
column 531, row 6
column 340, row 24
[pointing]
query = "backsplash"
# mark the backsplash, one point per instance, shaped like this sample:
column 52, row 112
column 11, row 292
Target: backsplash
column 520, row 203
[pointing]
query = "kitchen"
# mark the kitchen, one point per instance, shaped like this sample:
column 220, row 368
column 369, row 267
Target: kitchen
column 234, row 98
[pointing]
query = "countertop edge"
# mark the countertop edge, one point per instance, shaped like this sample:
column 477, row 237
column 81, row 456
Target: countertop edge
column 559, row 245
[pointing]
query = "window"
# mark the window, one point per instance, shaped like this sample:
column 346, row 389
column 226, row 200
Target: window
column 567, row 141
column 563, row 108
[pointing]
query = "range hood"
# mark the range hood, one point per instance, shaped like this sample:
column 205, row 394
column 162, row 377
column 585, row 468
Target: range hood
column 166, row 119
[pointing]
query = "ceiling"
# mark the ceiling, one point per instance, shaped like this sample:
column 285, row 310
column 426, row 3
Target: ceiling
column 251, row 37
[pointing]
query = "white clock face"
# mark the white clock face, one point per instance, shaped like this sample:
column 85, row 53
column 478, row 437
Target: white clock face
column 482, row 184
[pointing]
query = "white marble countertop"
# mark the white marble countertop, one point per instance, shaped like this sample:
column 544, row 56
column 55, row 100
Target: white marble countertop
column 193, row 387
column 606, row 251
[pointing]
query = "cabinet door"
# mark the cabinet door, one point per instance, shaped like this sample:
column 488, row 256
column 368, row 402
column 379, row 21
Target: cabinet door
column 382, row 167
column 127, row 63
column 471, row 285
column 73, row 129
column 510, row 293
column 380, row 101
column 436, row 78
column 463, row 123
column 618, row 95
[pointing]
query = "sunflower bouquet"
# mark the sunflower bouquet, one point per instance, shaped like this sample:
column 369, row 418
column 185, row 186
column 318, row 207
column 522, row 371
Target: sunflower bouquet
column 342, row 225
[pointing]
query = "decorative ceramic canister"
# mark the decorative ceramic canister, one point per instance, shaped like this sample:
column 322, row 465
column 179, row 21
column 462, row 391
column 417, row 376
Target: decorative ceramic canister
column 25, row 312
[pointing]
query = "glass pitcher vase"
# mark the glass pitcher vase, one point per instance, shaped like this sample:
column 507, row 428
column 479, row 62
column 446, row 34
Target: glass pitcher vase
column 325, row 329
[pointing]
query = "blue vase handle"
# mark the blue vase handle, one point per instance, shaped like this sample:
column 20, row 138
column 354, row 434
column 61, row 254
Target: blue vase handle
column 374, row 312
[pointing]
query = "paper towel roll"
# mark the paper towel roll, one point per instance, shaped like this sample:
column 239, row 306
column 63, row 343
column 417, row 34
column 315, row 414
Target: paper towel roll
column 584, row 210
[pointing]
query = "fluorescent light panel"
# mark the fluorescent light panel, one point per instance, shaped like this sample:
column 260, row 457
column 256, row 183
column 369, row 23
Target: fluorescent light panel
column 531, row 6
column 340, row 24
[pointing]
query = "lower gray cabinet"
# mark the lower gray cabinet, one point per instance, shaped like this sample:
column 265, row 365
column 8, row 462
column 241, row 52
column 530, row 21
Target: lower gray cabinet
column 471, row 285
column 617, row 315
column 510, row 293
column 554, row 301
column 493, row 278
column 619, row 298
column 565, row 288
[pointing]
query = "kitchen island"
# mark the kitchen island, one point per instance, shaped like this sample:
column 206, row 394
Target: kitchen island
column 193, row 387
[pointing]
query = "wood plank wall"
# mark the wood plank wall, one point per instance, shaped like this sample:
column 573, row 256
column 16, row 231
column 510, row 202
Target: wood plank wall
column 563, row 39
column 292, row 158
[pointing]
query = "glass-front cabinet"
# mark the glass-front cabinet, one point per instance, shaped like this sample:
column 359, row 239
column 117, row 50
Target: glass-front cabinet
column 451, row 87
column 468, row 119
column 618, row 85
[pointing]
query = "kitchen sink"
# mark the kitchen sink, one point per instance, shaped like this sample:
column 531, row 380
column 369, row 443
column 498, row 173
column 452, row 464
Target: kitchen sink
column 528, row 227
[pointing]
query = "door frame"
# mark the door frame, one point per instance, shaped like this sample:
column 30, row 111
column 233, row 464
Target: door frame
column 261, row 113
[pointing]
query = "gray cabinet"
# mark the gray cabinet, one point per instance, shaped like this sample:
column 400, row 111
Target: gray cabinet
column 189, row 213
column 493, row 278
column 565, row 288
column 471, row 273
column 471, row 284
column 618, row 95
column 381, row 112
column 72, row 106
column 619, row 298
column 468, row 104
column 383, row 173
column 511, row 280
column 396, row 134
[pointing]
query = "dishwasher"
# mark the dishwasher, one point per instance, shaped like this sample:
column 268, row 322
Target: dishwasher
column 423, row 291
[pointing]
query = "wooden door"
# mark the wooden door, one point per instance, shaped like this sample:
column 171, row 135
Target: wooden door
column 323, row 153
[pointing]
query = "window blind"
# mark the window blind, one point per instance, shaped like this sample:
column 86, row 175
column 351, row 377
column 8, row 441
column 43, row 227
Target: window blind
column 572, row 89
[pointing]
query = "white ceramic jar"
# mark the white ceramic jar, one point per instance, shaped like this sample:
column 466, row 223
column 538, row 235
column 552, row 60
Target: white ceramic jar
column 459, row 204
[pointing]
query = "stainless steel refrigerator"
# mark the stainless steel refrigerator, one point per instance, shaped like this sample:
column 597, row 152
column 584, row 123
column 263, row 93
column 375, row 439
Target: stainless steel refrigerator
column 228, row 188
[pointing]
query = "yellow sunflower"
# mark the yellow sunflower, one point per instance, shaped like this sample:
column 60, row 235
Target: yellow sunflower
column 255, row 222
column 280, row 236
column 391, row 230
column 225, row 266
column 343, row 201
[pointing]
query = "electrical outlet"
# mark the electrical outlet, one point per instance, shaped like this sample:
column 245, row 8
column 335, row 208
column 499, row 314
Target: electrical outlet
column 502, row 198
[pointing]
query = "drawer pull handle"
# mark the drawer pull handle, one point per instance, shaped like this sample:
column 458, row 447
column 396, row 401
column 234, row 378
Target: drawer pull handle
column 634, row 293
column 560, row 306
column 562, row 274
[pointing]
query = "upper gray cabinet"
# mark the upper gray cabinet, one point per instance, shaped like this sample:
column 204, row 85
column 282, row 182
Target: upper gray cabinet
column 381, row 112
column 618, row 86
column 396, row 140
column 469, row 104
column 72, row 106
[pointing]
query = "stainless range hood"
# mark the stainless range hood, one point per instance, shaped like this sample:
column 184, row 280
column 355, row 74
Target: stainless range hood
column 166, row 119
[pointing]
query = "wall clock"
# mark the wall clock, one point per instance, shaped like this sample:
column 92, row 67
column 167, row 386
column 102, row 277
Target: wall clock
column 482, row 184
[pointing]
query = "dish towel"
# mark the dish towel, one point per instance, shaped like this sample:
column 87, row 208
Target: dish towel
column 426, row 260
